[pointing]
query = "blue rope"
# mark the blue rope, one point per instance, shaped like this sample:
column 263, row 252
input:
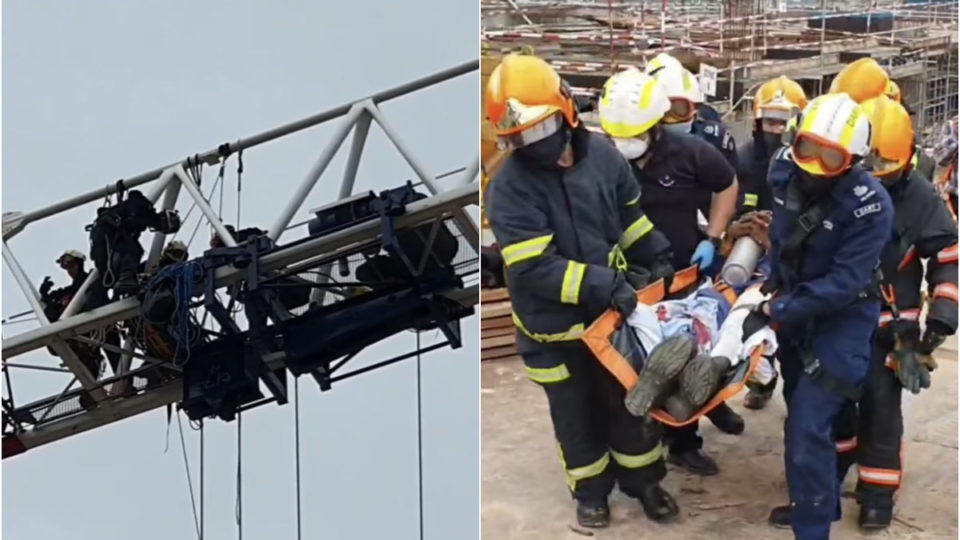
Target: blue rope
column 181, row 278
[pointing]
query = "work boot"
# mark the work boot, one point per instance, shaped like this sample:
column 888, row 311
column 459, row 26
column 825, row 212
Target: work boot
column 758, row 396
column 127, row 285
column 657, row 504
column 875, row 517
column 726, row 419
column 662, row 366
column 679, row 407
column 695, row 461
column 593, row 514
column 780, row 517
column 701, row 377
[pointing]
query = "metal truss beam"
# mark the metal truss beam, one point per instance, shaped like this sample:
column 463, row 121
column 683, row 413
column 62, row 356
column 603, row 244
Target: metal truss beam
column 419, row 212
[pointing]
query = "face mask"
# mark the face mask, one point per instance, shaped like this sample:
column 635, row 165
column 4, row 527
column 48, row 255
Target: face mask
column 545, row 152
column 680, row 127
column 632, row 148
column 812, row 185
column 772, row 141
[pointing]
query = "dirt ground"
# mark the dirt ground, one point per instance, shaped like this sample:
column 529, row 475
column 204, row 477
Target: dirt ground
column 524, row 494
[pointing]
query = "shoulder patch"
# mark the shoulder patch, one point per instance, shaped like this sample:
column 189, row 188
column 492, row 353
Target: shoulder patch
column 709, row 129
column 863, row 192
column 867, row 210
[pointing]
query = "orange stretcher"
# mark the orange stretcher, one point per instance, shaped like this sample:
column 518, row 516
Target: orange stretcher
column 597, row 339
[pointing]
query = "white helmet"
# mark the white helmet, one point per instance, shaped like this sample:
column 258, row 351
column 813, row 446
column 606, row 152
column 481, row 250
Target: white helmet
column 660, row 61
column 833, row 130
column 632, row 102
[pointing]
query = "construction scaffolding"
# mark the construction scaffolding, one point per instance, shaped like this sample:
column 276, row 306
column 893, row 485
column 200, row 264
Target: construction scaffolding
column 748, row 41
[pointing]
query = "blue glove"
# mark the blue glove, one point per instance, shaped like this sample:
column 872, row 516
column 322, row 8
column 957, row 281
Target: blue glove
column 704, row 253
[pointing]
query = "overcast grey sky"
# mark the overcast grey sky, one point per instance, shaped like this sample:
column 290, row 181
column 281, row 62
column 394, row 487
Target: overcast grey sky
column 96, row 91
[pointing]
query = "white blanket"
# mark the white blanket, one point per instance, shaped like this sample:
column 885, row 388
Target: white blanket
column 728, row 339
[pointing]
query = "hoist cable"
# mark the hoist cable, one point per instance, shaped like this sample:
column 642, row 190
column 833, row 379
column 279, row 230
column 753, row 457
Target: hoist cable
column 186, row 464
column 419, row 440
column 239, row 505
column 202, row 527
column 296, row 423
column 239, row 181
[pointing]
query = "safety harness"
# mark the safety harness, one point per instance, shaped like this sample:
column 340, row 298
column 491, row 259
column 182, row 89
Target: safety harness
column 807, row 216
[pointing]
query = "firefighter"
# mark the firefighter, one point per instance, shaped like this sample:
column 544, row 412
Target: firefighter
column 865, row 79
column 924, row 230
column 685, row 116
column 115, row 239
column 565, row 212
column 673, row 169
column 831, row 222
column 776, row 103
column 55, row 301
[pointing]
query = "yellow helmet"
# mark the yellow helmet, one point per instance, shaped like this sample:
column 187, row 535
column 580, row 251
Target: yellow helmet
column 891, row 147
column 779, row 98
column 832, row 132
column 861, row 80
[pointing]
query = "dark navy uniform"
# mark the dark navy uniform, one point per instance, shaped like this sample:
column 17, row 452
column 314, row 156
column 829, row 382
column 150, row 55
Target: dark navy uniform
column 715, row 133
column 753, row 163
column 559, row 230
column 826, row 312
column 924, row 229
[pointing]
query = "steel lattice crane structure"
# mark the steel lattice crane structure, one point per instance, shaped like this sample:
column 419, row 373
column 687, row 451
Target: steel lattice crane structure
column 318, row 341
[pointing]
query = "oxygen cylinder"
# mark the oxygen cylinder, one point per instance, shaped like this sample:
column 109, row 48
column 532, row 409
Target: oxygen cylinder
column 741, row 262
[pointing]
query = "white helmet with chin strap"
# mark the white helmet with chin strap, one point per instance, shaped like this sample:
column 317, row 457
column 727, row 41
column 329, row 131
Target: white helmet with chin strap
column 631, row 104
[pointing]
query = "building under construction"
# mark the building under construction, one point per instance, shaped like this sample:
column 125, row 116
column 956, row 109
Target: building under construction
column 747, row 41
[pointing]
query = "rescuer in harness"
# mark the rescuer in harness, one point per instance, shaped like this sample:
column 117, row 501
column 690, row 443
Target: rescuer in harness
column 865, row 79
column 831, row 222
column 115, row 239
column 686, row 104
column 776, row 103
column 673, row 169
column 924, row 230
column 55, row 301
column 565, row 211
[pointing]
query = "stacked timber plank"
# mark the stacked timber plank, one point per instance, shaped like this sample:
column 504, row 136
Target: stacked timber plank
column 498, row 335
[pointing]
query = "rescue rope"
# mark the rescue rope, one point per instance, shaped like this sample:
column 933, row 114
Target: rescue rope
column 239, row 180
column 181, row 279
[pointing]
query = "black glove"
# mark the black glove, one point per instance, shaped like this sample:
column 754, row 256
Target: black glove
column 638, row 277
column 911, row 368
column 46, row 286
column 771, row 285
column 934, row 336
column 755, row 321
column 624, row 298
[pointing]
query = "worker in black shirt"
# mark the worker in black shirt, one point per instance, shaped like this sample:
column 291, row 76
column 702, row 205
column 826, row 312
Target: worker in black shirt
column 684, row 116
column 673, row 169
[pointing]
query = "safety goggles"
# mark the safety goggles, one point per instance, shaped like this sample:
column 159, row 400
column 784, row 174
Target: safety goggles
column 681, row 110
column 810, row 149
column 536, row 132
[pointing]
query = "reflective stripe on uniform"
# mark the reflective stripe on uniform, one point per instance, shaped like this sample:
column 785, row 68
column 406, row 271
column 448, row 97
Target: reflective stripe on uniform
column 572, row 334
column 633, row 201
column 583, row 473
column 637, row 230
column 947, row 255
column 616, row 259
column 638, row 461
column 527, row 249
column 914, row 160
column 548, row 375
column 846, row 445
column 886, row 317
column 908, row 257
column 882, row 477
column 946, row 290
column 749, row 199
column 572, row 279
